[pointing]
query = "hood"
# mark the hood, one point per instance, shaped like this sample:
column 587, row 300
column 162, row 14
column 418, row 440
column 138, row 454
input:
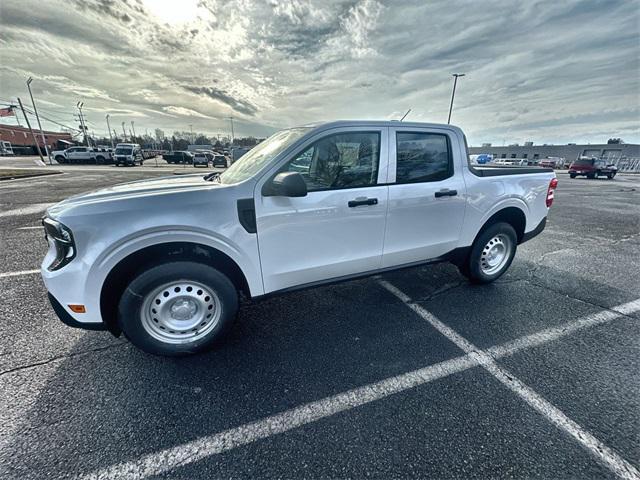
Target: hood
column 140, row 188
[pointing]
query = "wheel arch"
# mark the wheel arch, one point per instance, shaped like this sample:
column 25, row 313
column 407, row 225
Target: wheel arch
column 514, row 216
column 128, row 267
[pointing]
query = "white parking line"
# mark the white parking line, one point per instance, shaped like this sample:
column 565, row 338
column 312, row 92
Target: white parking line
column 608, row 457
column 165, row 460
column 17, row 274
column 34, row 208
column 35, row 227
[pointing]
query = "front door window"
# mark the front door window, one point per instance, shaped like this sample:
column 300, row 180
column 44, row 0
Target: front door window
column 343, row 160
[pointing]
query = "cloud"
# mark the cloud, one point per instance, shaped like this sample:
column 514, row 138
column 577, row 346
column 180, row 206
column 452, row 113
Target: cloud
column 278, row 63
column 240, row 106
column 185, row 112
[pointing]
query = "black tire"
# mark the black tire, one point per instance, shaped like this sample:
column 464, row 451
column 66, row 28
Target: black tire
column 133, row 300
column 591, row 175
column 61, row 159
column 472, row 267
column 611, row 175
column 572, row 175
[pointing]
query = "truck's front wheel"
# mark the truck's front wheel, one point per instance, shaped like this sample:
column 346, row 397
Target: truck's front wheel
column 177, row 308
column 491, row 254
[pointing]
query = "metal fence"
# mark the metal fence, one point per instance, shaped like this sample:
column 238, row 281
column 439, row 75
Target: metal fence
column 628, row 165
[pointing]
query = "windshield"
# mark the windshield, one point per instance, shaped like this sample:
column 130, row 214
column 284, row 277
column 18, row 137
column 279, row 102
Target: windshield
column 584, row 162
column 123, row 151
column 260, row 155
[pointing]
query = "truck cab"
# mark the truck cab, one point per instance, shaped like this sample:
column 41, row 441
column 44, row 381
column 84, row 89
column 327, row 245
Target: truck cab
column 5, row 148
column 166, row 260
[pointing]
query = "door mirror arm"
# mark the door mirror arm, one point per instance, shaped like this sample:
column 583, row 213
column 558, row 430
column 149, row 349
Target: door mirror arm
column 285, row 184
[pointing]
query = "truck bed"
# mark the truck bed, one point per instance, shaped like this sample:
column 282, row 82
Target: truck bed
column 490, row 171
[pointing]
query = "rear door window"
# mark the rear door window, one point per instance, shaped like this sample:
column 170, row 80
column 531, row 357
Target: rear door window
column 422, row 157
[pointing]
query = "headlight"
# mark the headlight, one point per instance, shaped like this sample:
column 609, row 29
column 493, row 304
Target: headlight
column 62, row 239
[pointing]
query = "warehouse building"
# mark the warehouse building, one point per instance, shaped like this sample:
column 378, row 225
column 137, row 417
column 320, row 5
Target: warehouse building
column 571, row 151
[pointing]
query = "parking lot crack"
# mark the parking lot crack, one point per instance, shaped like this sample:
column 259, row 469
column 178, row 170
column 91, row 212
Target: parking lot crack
column 577, row 299
column 60, row 357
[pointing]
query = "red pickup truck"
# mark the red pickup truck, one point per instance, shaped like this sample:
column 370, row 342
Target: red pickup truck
column 592, row 168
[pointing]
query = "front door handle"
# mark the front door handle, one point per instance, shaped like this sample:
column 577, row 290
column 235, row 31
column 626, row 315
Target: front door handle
column 446, row 193
column 362, row 201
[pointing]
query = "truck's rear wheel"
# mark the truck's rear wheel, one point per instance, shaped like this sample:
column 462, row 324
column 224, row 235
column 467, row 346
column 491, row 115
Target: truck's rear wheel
column 177, row 308
column 491, row 254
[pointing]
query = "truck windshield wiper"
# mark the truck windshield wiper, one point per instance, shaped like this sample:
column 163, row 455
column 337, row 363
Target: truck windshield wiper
column 212, row 177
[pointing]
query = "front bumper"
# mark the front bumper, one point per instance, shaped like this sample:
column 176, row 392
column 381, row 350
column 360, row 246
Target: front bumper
column 68, row 320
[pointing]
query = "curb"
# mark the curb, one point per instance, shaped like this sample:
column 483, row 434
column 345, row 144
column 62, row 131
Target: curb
column 31, row 175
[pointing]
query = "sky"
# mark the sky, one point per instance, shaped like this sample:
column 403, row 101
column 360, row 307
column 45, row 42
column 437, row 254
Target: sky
column 543, row 71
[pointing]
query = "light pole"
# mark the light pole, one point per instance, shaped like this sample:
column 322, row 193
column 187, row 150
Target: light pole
column 124, row 132
column 233, row 138
column 191, row 127
column 82, row 124
column 453, row 93
column 109, row 130
column 35, row 140
column 133, row 129
column 35, row 110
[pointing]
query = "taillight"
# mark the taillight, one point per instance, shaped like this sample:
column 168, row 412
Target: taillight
column 550, row 192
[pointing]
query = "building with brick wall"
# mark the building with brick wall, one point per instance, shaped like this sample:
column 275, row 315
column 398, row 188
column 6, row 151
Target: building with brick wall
column 23, row 143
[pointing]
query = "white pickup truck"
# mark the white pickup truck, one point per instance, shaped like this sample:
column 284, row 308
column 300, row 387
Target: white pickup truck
column 82, row 155
column 166, row 260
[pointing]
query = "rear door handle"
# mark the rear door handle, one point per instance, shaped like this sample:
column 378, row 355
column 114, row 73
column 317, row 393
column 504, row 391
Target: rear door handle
column 446, row 193
column 364, row 201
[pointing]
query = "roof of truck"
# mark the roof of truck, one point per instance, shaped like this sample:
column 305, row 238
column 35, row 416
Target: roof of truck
column 379, row 123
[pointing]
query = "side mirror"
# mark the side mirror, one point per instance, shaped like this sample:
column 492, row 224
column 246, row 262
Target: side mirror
column 286, row 184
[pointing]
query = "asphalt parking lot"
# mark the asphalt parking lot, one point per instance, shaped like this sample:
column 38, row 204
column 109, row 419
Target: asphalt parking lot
column 412, row 374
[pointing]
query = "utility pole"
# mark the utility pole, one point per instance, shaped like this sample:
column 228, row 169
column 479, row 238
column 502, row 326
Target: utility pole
column 109, row 130
column 30, row 129
column 453, row 93
column 233, row 138
column 13, row 107
column 124, row 132
column 82, row 124
column 44, row 141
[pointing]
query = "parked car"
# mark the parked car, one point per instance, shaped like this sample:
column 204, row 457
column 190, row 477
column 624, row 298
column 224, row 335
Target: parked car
column 128, row 154
column 202, row 158
column 592, row 168
column 238, row 152
column 507, row 161
column 82, row 155
column 178, row 157
column 6, row 149
column 552, row 162
column 219, row 160
column 165, row 260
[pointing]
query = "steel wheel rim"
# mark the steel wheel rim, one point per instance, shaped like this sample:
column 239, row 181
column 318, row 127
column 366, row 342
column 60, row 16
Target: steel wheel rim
column 180, row 312
column 495, row 254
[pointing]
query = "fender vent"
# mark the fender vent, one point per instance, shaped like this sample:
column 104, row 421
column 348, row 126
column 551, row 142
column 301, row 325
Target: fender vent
column 247, row 214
